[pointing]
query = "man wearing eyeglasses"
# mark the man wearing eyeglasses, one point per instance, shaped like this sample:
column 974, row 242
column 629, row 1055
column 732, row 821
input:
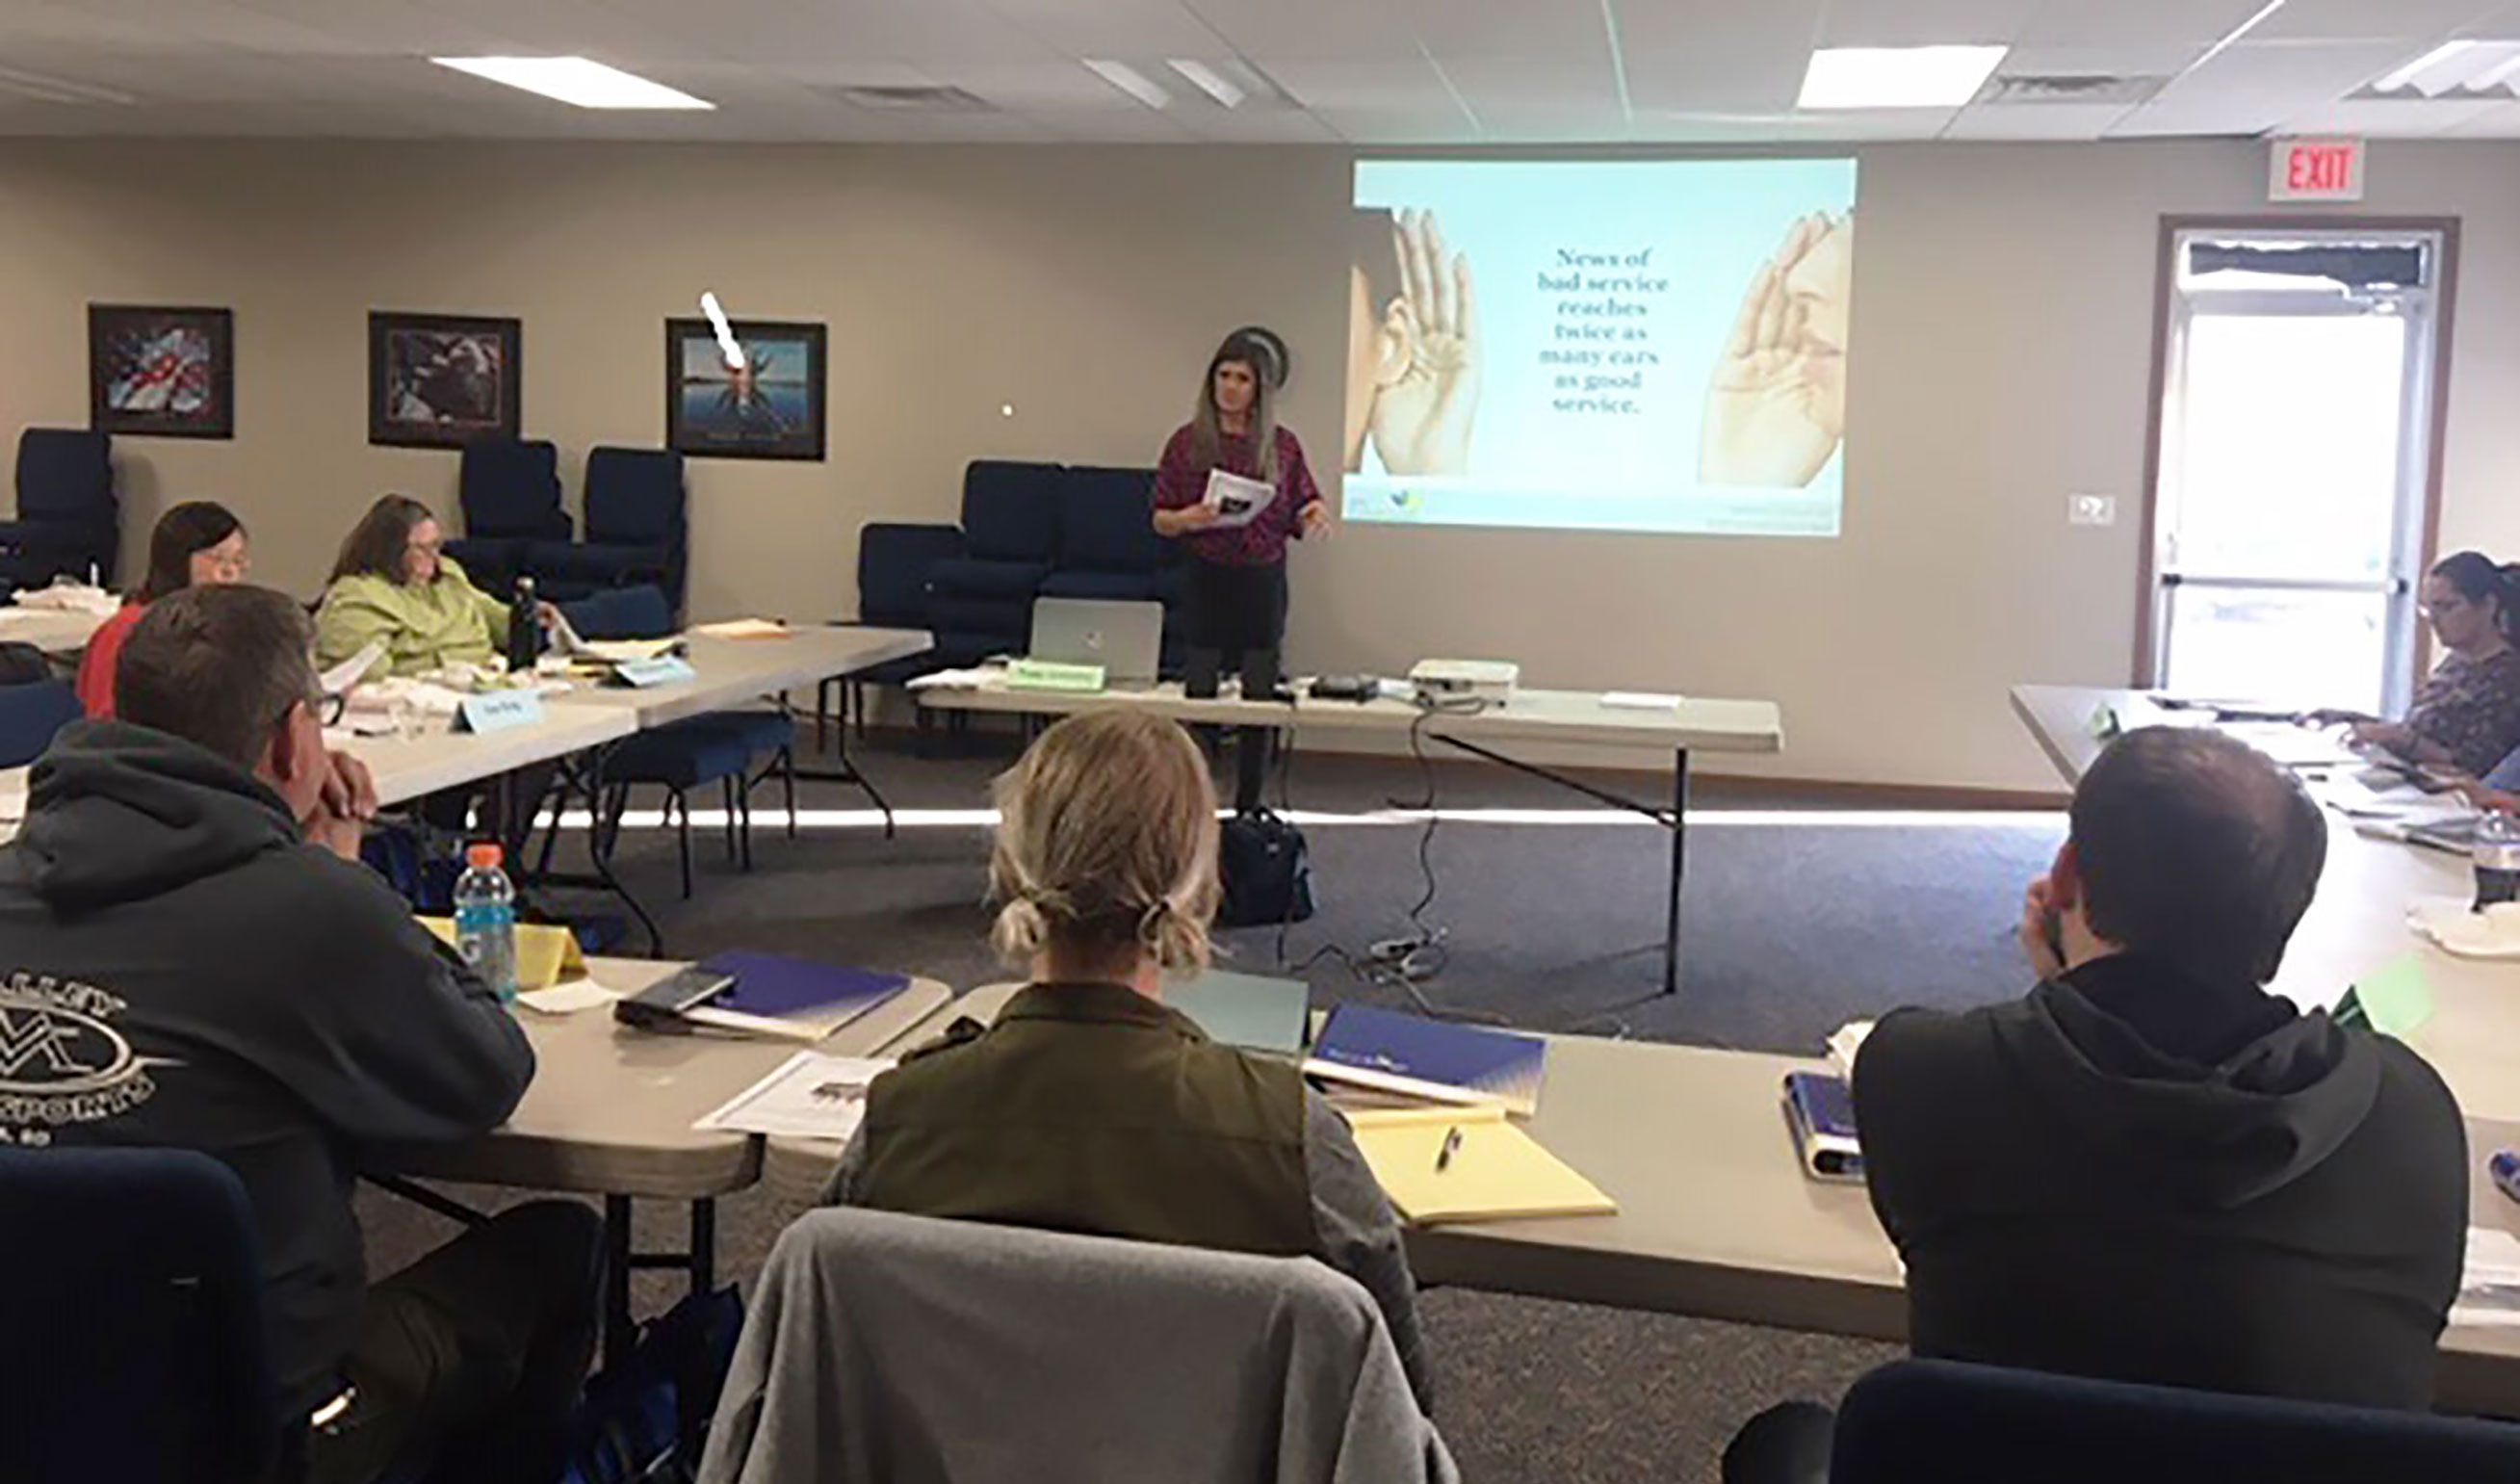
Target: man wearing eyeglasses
column 190, row 956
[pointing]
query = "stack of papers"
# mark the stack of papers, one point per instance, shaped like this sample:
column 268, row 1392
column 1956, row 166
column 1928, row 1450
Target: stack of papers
column 811, row 1096
column 69, row 598
column 2460, row 929
column 953, row 680
column 2489, row 1288
column 1469, row 1164
column 742, row 628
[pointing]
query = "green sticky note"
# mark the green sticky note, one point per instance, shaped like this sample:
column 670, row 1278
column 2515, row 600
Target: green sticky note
column 2394, row 999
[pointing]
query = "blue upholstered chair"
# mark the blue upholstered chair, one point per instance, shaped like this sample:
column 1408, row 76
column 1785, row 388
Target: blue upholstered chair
column 136, row 1346
column 723, row 747
column 31, row 716
column 895, row 563
column 637, row 529
column 1941, row 1423
column 980, row 602
column 510, row 491
column 68, row 520
column 1108, row 549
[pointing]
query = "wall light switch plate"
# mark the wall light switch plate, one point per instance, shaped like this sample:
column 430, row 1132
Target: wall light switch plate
column 2091, row 510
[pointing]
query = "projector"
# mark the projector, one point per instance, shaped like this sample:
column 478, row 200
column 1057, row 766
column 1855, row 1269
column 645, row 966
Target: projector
column 1488, row 680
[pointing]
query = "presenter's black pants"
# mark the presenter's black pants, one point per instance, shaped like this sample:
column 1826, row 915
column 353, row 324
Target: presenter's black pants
column 1238, row 610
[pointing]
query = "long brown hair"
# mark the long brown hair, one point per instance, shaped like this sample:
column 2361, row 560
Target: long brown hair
column 1207, row 423
column 375, row 546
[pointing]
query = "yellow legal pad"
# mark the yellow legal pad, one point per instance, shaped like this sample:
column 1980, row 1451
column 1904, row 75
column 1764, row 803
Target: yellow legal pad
column 544, row 954
column 1497, row 1171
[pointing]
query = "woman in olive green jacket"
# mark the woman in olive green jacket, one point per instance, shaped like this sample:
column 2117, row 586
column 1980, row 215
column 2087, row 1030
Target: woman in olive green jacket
column 393, row 586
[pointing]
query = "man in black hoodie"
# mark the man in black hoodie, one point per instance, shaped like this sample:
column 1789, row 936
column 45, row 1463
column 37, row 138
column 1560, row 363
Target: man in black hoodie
column 2151, row 1169
column 192, row 956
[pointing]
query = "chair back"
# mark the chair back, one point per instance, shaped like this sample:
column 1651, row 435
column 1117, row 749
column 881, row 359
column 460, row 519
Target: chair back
column 629, row 612
column 1107, row 521
column 1944, row 1422
column 917, row 1351
column 634, row 497
column 31, row 715
column 895, row 560
column 136, row 1345
column 1011, row 510
column 510, row 489
column 66, row 474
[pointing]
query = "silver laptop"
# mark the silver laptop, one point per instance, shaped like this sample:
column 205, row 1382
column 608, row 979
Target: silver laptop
column 1126, row 639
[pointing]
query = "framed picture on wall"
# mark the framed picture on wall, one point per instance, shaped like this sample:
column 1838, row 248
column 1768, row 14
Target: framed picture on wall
column 440, row 380
column 769, row 407
column 160, row 372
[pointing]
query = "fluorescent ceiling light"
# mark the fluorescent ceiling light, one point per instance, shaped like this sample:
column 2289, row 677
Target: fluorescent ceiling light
column 1897, row 77
column 579, row 80
column 1208, row 80
column 1130, row 80
column 2473, row 66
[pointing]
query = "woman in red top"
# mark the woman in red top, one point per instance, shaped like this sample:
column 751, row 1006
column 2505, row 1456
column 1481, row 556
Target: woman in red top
column 195, row 542
column 1237, row 574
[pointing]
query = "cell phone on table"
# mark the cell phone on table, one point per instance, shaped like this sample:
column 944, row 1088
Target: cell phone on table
column 661, row 1004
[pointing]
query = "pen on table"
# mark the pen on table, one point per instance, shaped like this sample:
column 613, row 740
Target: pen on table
column 1444, row 1155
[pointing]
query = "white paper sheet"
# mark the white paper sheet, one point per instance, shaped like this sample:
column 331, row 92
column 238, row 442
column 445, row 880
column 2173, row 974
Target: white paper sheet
column 339, row 680
column 2489, row 1287
column 811, row 1096
column 1236, row 501
column 567, row 999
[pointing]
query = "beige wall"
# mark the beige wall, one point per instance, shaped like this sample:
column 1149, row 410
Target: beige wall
column 2003, row 325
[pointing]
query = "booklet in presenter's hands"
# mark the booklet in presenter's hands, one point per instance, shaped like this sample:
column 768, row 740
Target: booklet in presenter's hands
column 1237, row 501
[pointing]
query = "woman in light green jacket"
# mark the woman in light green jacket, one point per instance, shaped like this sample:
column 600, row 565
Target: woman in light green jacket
column 391, row 585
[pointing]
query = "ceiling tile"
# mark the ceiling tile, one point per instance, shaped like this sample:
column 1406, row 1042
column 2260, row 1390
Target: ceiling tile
column 1271, row 32
column 1409, row 86
column 2141, row 22
column 1924, row 23
column 2253, row 86
column 1110, row 28
column 2385, row 120
column 1403, row 126
column 2420, row 23
column 1252, row 125
column 2502, row 122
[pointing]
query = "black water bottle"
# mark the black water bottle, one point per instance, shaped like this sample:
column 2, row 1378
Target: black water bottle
column 524, row 629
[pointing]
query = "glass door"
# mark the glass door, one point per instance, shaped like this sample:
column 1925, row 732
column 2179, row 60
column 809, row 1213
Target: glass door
column 2288, row 514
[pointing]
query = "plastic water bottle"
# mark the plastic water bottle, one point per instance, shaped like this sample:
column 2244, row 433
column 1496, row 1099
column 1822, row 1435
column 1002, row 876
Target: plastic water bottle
column 2498, row 859
column 485, row 920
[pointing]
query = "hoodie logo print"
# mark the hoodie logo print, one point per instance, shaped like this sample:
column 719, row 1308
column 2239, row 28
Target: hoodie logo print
column 62, row 1060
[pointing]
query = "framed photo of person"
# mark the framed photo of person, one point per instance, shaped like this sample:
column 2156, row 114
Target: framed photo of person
column 770, row 406
column 161, row 371
column 442, row 381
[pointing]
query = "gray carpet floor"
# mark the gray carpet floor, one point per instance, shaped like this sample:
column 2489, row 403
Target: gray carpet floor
column 1797, row 919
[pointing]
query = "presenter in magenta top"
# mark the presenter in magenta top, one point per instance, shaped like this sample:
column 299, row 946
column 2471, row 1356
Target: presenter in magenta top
column 1237, row 558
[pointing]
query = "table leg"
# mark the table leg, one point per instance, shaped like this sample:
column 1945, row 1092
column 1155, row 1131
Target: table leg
column 1251, row 768
column 1679, row 859
column 618, row 1333
column 704, row 1244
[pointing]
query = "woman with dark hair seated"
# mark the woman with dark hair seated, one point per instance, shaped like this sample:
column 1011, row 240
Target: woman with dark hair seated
column 2466, row 715
column 196, row 543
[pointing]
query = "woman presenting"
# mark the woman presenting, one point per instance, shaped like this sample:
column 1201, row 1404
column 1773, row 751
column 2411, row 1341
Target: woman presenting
column 1238, row 573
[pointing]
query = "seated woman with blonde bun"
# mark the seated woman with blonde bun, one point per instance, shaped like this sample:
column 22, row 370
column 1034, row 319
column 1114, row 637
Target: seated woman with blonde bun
column 1090, row 1106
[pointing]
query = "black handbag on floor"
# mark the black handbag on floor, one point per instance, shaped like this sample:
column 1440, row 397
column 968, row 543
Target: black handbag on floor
column 1268, row 878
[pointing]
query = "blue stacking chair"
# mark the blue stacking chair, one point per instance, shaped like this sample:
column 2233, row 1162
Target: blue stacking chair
column 637, row 525
column 895, row 563
column 68, row 520
column 1944, row 1422
column 510, row 491
column 136, row 1346
column 31, row 716
column 980, row 602
column 721, row 747
column 1108, row 549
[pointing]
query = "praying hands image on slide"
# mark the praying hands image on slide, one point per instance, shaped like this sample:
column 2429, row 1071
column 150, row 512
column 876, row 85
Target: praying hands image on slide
column 1776, row 409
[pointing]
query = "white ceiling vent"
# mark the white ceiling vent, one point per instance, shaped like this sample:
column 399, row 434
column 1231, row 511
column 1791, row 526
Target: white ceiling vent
column 920, row 97
column 2008, row 89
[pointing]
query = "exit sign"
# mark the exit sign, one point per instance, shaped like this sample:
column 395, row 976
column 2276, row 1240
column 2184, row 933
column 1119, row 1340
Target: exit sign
column 2316, row 170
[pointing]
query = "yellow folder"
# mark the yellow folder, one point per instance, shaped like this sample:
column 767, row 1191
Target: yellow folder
column 544, row 954
column 1495, row 1171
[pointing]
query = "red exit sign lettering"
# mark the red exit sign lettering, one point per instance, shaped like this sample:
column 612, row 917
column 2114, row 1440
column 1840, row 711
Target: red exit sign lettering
column 2316, row 170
